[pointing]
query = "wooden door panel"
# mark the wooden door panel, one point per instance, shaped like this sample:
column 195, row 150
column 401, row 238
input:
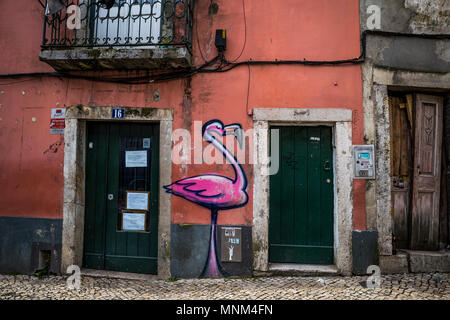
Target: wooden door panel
column 427, row 139
column 314, row 179
column 426, row 183
column 301, row 197
column 287, row 190
column 126, row 248
column 106, row 245
column 427, row 173
column 422, row 220
column 400, row 115
column 400, row 204
column 96, row 195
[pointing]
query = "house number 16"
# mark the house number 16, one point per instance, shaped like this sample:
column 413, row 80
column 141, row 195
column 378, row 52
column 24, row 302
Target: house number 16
column 118, row 113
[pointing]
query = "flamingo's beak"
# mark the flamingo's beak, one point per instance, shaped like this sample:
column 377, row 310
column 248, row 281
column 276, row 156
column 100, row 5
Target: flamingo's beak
column 235, row 130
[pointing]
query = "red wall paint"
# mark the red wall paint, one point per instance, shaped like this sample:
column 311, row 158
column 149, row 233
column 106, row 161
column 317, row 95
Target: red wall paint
column 31, row 177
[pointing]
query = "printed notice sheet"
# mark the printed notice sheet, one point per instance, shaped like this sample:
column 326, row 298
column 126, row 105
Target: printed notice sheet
column 137, row 200
column 135, row 159
column 146, row 143
column 133, row 221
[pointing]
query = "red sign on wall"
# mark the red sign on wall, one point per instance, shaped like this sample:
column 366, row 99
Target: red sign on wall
column 58, row 121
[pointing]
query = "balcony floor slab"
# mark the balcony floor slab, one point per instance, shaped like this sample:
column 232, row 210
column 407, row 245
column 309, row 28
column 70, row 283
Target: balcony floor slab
column 154, row 58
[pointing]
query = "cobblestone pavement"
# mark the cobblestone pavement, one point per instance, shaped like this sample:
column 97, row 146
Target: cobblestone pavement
column 407, row 286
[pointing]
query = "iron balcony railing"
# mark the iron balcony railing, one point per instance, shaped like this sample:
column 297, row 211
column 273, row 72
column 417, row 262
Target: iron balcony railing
column 128, row 23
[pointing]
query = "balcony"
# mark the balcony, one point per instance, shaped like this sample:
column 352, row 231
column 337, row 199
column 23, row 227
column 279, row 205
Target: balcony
column 131, row 35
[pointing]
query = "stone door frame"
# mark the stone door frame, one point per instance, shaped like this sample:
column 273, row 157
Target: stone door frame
column 376, row 83
column 341, row 122
column 74, row 178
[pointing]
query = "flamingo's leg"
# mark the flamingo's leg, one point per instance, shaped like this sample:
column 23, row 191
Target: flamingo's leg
column 212, row 267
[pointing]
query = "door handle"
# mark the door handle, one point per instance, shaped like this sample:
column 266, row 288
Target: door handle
column 327, row 167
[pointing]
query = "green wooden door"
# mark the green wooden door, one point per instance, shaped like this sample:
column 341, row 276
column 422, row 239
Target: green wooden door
column 301, row 197
column 109, row 176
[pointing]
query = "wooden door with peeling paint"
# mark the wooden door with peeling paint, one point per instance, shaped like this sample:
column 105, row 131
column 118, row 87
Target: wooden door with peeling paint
column 427, row 172
column 402, row 127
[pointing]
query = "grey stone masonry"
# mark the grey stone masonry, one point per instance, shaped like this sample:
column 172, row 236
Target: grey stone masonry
column 117, row 59
column 392, row 287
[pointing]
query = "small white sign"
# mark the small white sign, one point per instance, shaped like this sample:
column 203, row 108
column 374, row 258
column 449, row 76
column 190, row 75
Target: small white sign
column 137, row 200
column 146, row 143
column 57, row 120
column 58, row 113
column 133, row 221
column 136, row 159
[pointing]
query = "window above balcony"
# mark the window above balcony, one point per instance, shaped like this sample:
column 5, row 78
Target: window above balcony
column 132, row 34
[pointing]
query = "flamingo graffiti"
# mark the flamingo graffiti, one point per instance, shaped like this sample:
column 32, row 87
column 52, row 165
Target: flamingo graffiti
column 214, row 191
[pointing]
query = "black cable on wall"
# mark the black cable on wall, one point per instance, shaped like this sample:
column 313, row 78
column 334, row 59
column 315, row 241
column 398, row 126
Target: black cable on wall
column 225, row 65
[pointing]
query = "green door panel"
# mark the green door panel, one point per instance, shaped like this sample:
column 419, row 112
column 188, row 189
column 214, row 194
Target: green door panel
column 135, row 264
column 106, row 246
column 302, row 196
column 94, row 230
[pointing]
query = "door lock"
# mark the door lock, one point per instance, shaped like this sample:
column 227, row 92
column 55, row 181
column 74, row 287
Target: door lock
column 326, row 167
column 110, row 196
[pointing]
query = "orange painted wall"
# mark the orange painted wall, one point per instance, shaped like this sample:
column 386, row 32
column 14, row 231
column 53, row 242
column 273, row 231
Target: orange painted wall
column 31, row 160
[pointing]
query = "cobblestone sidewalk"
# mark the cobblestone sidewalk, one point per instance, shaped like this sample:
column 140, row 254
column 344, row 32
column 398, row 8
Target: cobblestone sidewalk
column 408, row 286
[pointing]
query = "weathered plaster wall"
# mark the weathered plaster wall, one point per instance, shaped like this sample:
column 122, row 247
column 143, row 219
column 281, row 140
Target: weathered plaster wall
column 31, row 164
column 26, row 105
column 190, row 251
column 269, row 37
column 410, row 16
column 416, row 54
column 32, row 168
column 365, row 250
column 396, row 60
column 22, row 238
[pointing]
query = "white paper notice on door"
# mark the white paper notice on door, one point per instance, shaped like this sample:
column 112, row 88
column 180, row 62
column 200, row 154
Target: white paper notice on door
column 133, row 221
column 137, row 200
column 136, row 159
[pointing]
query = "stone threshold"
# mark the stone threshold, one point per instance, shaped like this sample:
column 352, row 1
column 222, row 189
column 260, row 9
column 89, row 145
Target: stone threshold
column 293, row 269
column 117, row 275
column 415, row 261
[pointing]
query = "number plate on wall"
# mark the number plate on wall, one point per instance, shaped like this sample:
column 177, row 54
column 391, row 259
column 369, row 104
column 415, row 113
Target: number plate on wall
column 118, row 113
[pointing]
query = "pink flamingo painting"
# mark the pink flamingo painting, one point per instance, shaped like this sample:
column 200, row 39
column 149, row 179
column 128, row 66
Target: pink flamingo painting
column 213, row 191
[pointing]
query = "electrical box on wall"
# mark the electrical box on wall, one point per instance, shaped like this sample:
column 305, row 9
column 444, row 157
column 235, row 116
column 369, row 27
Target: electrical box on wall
column 221, row 40
column 364, row 161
